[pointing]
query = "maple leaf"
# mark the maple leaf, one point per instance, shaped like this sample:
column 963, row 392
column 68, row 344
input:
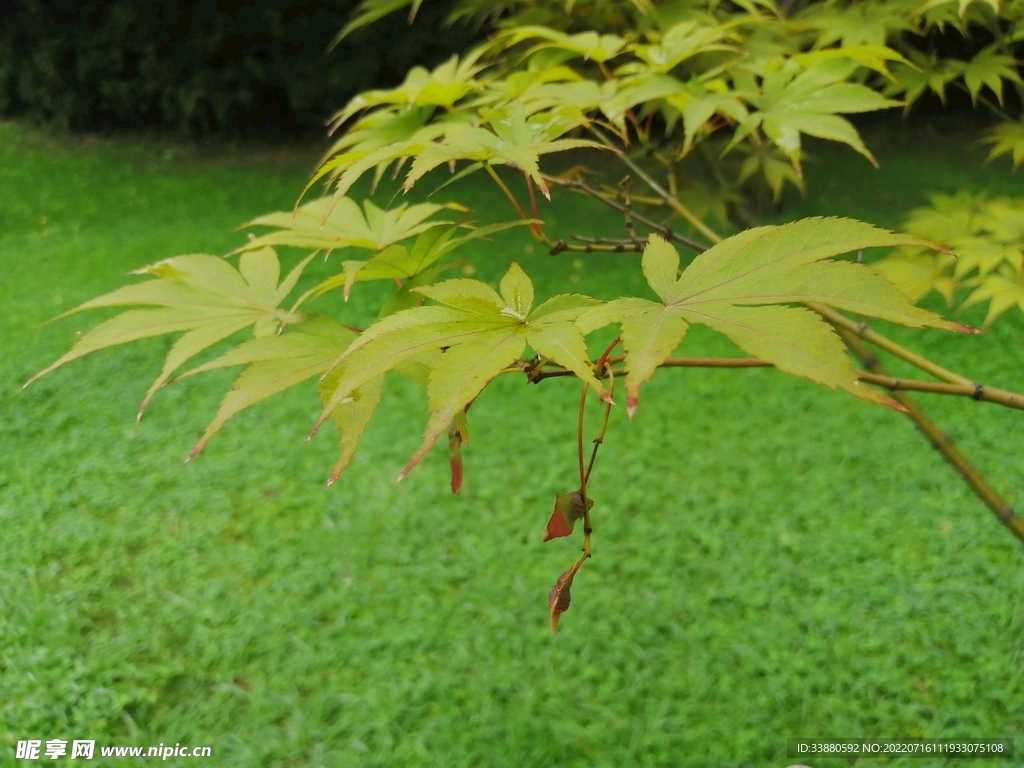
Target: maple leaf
column 618, row 96
column 924, row 71
column 990, row 67
column 590, row 45
column 773, row 169
column 442, row 87
column 917, row 272
column 372, row 132
column 854, row 25
column 413, row 267
column 792, row 103
column 198, row 293
column 370, row 11
column 680, row 42
column 475, row 333
column 740, row 288
column 326, row 224
column 513, row 139
column 876, row 57
column 275, row 363
column 1007, row 139
column 698, row 104
column 1003, row 290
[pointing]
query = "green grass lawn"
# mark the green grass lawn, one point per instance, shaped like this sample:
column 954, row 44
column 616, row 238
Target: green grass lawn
column 773, row 559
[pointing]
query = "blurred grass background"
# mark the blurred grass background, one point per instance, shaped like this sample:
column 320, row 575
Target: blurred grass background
column 773, row 559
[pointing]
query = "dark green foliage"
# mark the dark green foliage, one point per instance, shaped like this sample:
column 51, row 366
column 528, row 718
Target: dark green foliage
column 202, row 66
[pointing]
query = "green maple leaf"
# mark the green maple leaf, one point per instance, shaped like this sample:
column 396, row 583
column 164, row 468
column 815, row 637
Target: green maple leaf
column 1004, row 289
column 876, row 57
column 442, row 87
column 201, row 294
column 590, row 45
column 1007, row 139
column 413, row 267
column 474, row 333
column 772, row 166
column 326, row 224
column 679, row 43
column 698, row 104
column 276, row 363
column 370, row 11
column 989, row 68
column 372, row 132
column 741, row 288
column 948, row 217
column 512, row 139
column 917, row 272
column 622, row 94
column 924, row 71
column 792, row 103
column 855, row 25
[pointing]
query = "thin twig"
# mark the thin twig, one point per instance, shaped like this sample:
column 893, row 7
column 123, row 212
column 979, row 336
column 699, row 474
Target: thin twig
column 979, row 392
column 665, row 231
column 604, row 424
column 627, row 214
column 609, row 244
column 507, row 191
column 560, row 246
column 672, row 201
column 999, row 506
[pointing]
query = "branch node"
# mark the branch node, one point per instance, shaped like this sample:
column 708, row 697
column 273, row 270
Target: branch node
column 979, row 391
column 1006, row 514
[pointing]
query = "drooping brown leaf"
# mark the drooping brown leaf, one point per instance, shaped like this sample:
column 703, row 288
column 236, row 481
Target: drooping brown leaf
column 568, row 509
column 559, row 597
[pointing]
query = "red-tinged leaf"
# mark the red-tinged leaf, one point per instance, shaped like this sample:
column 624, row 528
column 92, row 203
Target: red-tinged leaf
column 559, row 597
column 567, row 510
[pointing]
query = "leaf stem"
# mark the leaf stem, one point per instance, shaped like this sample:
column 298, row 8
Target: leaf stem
column 627, row 213
column 533, row 204
column 579, row 445
column 599, row 440
column 507, row 191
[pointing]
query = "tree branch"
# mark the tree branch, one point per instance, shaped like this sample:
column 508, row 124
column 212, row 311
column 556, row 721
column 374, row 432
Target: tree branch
column 941, row 442
column 974, row 391
column 861, row 331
